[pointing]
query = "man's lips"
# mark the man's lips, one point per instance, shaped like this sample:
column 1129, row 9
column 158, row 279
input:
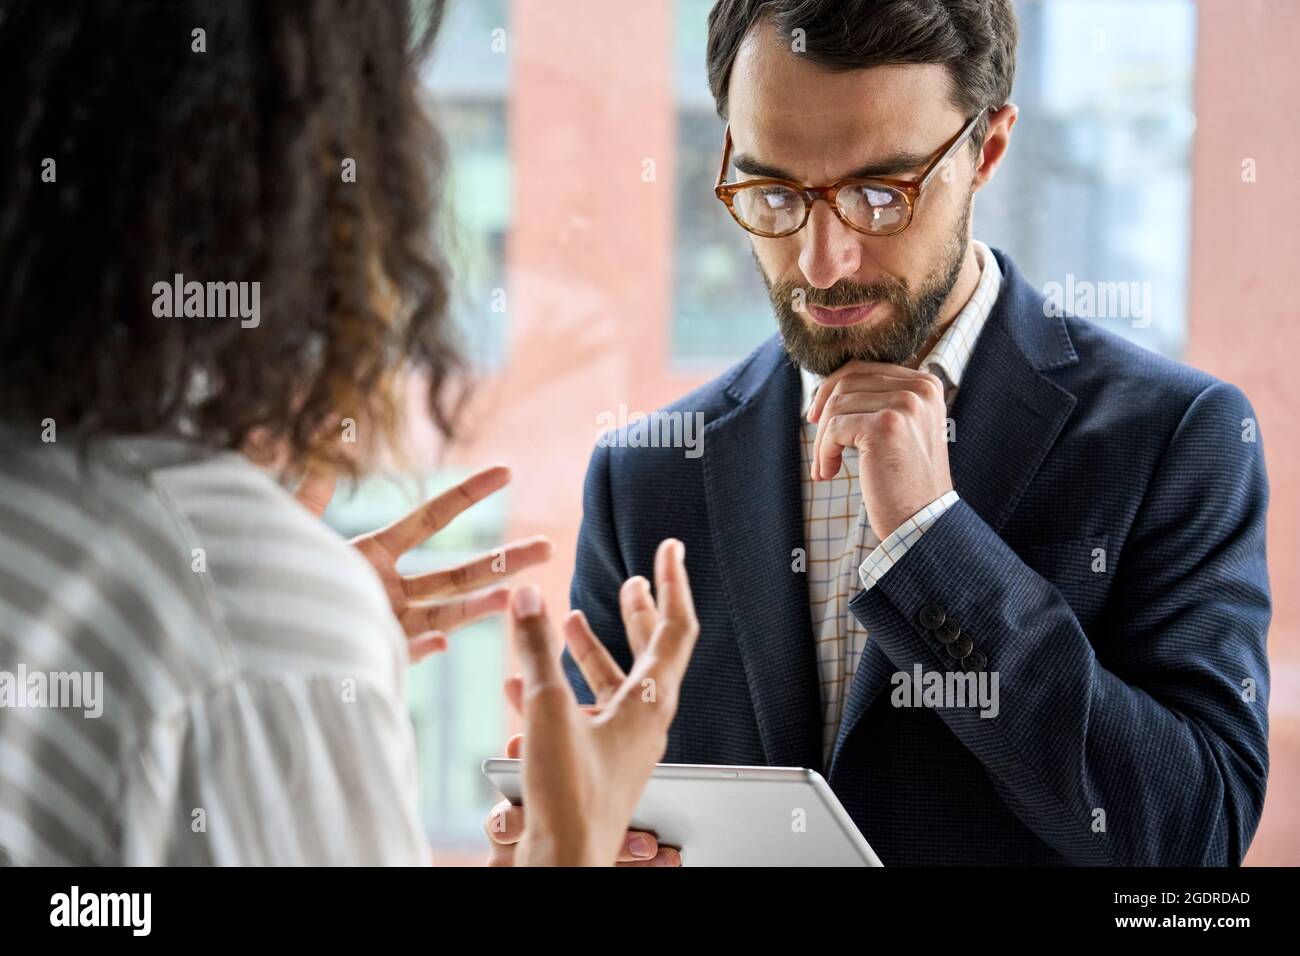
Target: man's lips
column 840, row 317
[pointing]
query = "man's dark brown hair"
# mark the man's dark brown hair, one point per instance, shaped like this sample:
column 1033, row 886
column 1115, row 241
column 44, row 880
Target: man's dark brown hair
column 219, row 155
column 974, row 39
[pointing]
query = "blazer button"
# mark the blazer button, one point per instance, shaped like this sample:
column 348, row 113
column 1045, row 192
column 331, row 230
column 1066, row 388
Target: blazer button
column 960, row 647
column 974, row 662
column 948, row 631
column 931, row 616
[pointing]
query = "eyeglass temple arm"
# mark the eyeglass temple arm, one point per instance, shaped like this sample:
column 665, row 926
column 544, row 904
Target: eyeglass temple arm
column 949, row 152
column 726, row 156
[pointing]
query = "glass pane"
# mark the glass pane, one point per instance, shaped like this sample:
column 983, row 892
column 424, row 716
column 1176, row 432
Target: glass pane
column 455, row 698
column 720, row 307
column 468, row 79
column 1094, row 199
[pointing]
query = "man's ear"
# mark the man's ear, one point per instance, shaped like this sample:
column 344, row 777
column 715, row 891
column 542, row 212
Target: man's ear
column 996, row 143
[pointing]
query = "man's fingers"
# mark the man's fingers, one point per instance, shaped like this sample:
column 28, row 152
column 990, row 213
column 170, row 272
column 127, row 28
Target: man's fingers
column 833, row 436
column 639, row 613
column 858, row 367
column 316, row 490
column 505, row 823
column 833, row 459
column 827, row 452
column 482, row 570
column 434, row 515
column 449, row 615
column 602, row 673
column 845, row 431
column 515, row 745
column 827, row 456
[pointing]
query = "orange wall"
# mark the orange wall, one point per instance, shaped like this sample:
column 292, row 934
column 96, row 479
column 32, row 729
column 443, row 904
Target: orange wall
column 1245, row 316
column 589, row 258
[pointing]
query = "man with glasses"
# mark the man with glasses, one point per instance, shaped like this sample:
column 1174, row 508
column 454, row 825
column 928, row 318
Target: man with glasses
column 931, row 482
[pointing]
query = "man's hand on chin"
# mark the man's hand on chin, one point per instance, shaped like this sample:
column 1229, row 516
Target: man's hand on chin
column 896, row 417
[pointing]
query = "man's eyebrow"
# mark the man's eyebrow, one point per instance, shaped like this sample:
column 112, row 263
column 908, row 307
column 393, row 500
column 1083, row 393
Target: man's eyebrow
column 890, row 166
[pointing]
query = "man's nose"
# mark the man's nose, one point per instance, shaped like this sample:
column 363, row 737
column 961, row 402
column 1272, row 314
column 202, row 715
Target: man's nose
column 831, row 250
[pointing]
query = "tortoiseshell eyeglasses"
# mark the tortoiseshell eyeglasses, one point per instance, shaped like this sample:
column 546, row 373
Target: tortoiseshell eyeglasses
column 774, row 208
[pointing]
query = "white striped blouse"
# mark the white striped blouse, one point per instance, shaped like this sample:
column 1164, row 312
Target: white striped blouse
column 193, row 669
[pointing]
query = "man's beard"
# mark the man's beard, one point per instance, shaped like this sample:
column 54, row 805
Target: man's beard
column 822, row 349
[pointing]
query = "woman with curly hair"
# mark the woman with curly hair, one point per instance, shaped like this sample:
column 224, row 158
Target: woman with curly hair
column 217, row 267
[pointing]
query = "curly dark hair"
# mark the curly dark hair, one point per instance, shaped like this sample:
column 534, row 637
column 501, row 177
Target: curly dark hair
column 220, row 156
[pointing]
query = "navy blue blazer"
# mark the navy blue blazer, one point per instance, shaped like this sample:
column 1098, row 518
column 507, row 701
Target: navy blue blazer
column 1132, row 725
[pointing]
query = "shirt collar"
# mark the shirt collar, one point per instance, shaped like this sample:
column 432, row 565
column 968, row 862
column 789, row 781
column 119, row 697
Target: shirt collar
column 951, row 354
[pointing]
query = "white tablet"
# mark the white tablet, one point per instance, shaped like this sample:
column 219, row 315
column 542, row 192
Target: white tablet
column 735, row 816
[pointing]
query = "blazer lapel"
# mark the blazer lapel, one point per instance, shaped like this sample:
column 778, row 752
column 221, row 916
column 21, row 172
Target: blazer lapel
column 755, row 506
column 1007, row 412
column 1007, row 416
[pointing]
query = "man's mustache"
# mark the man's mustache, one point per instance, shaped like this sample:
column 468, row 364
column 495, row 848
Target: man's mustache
column 839, row 295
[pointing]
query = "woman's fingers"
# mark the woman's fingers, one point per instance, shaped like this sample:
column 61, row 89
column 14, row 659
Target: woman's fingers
column 504, row 824
column 434, row 515
column 644, row 717
column 547, row 699
column 418, row 648
column 638, row 847
column 484, row 569
column 514, row 691
column 642, row 617
column 601, row 671
column 446, row 616
column 673, row 645
column 671, row 583
column 667, row 856
column 639, row 613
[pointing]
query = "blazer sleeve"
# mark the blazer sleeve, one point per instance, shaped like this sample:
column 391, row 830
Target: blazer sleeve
column 1145, row 743
column 599, row 572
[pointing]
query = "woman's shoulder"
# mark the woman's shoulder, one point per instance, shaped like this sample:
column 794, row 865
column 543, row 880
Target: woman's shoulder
column 288, row 591
column 206, row 554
